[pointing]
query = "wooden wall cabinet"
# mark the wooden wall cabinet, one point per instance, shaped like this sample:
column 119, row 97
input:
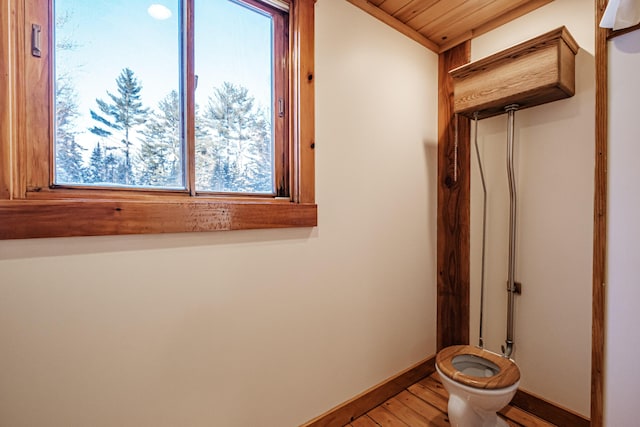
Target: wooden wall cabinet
column 531, row 73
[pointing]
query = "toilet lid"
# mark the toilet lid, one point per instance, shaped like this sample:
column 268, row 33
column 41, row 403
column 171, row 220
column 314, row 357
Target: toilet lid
column 509, row 373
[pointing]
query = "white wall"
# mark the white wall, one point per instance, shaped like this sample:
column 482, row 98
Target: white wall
column 266, row 328
column 554, row 166
column 623, row 292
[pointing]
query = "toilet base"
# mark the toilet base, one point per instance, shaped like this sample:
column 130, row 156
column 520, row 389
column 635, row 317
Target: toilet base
column 463, row 415
column 472, row 407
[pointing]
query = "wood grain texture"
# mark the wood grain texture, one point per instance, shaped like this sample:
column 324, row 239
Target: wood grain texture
column 364, row 421
column 17, row 141
column 385, row 418
column 548, row 411
column 435, row 415
column 38, row 122
column 392, row 6
column 65, row 218
column 453, row 208
column 440, row 25
column 412, row 8
column 303, row 78
column 431, row 390
column 420, row 22
column 469, row 18
column 599, row 223
column 531, row 73
column 425, row 403
column 398, row 407
column 7, row 85
column 376, row 395
column 518, row 417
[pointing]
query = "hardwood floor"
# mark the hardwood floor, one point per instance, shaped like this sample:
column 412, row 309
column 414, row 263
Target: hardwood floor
column 424, row 404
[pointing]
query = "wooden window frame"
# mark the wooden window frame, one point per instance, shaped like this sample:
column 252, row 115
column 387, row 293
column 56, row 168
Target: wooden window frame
column 28, row 211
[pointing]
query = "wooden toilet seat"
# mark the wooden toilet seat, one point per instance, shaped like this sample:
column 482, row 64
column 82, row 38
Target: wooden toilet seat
column 509, row 373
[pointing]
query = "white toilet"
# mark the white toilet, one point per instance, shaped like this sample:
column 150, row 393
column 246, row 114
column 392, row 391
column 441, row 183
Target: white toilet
column 479, row 382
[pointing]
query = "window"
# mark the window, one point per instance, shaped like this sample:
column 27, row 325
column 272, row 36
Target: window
column 131, row 117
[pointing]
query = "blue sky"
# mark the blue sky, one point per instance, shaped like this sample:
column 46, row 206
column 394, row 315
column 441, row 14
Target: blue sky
column 232, row 44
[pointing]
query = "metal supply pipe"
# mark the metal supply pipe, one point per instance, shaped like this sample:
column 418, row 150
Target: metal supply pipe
column 511, row 286
column 484, row 229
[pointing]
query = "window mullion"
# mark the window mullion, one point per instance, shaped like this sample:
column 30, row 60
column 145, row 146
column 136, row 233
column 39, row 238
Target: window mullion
column 281, row 146
column 188, row 94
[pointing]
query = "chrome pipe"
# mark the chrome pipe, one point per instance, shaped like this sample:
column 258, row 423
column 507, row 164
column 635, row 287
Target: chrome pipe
column 511, row 287
column 484, row 229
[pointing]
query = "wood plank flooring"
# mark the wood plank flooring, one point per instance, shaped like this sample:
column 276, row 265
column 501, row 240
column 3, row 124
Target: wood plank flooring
column 424, row 404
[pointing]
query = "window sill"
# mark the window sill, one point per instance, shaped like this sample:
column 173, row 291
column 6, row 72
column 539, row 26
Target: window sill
column 24, row 219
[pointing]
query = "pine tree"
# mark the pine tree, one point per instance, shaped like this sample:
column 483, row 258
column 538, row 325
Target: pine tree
column 260, row 166
column 160, row 157
column 120, row 118
column 68, row 153
column 96, row 172
column 239, row 142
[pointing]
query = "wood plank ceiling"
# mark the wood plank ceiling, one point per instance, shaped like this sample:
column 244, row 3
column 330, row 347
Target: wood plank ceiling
column 442, row 24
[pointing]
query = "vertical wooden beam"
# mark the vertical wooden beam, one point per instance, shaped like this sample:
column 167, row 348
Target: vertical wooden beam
column 302, row 61
column 599, row 223
column 7, row 60
column 453, row 207
column 35, row 115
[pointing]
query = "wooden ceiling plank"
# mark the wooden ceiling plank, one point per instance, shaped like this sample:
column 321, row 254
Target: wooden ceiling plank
column 413, row 8
column 392, row 6
column 483, row 21
column 432, row 13
column 454, row 18
column 442, row 24
column 452, row 42
column 394, row 23
column 473, row 19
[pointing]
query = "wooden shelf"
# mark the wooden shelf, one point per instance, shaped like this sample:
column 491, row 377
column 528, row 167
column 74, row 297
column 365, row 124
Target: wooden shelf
column 535, row 72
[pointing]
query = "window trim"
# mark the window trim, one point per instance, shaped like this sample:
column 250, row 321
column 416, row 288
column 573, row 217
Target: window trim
column 61, row 212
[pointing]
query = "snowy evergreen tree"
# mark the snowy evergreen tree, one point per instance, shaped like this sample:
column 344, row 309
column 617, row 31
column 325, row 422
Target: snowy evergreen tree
column 96, row 170
column 238, row 142
column 68, row 153
column 260, row 172
column 160, row 157
column 118, row 119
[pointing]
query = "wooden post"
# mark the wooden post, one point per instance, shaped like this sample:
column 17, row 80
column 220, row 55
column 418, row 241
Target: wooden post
column 453, row 207
column 599, row 224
